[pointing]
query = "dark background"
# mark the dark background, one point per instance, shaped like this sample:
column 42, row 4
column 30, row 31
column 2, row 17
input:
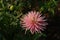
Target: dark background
column 53, row 29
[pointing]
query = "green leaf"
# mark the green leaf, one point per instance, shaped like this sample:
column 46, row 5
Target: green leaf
column 37, row 35
column 44, row 35
column 41, row 9
column 55, row 2
column 51, row 11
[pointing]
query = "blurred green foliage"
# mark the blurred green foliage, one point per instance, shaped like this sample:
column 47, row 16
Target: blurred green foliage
column 11, row 11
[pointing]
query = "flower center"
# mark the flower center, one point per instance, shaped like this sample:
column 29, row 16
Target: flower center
column 33, row 21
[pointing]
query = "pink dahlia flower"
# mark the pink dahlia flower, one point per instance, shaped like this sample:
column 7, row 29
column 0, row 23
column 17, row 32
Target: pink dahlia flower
column 34, row 22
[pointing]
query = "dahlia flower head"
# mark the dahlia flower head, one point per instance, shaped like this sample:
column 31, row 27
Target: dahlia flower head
column 34, row 22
